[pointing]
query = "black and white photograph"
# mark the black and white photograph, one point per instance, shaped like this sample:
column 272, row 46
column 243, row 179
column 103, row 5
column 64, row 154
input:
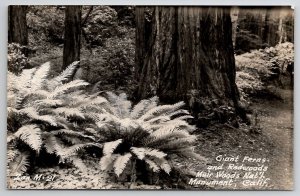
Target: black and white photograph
column 137, row 97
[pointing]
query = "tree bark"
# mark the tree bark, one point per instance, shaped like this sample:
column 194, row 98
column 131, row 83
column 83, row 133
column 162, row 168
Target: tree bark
column 187, row 52
column 270, row 35
column 17, row 25
column 143, row 18
column 72, row 35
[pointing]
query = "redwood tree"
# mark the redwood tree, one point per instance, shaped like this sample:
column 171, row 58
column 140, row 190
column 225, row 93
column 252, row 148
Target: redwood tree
column 183, row 53
column 17, row 25
column 72, row 35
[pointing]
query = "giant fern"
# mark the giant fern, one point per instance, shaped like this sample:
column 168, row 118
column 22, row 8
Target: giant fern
column 43, row 113
column 147, row 132
column 56, row 116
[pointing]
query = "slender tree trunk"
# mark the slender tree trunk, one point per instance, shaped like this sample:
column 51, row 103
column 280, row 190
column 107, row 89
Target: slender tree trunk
column 17, row 25
column 280, row 30
column 72, row 35
column 234, row 14
column 270, row 29
column 187, row 53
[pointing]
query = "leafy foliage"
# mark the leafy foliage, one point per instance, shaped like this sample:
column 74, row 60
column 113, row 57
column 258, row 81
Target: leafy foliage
column 146, row 133
column 18, row 162
column 45, row 24
column 107, row 43
column 117, row 56
column 16, row 58
column 260, row 68
column 44, row 114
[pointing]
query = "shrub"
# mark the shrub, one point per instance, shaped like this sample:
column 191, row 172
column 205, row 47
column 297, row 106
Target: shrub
column 101, row 25
column 113, row 69
column 45, row 24
column 284, row 55
column 248, row 84
column 260, row 69
column 145, row 137
column 44, row 116
column 17, row 61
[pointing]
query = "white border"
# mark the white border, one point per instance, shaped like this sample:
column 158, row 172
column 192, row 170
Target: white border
column 3, row 61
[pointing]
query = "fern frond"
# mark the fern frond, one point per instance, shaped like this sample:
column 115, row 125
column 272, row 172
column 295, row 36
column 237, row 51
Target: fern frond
column 48, row 103
column 51, row 144
column 152, row 165
column 77, row 162
column 31, row 135
column 106, row 162
column 39, row 76
column 95, row 101
column 12, row 154
column 128, row 124
column 19, row 165
column 165, row 166
column 24, row 80
column 177, row 143
column 155, row 153
column 159, row 119
column 67, row 87
column 69, row 112
column 109, row 147
column 67, row 73
column 89, row 104
column 11, row 81
column 163, row 139
column 71, row 151
column 121, row 163
column 112, row 97
column 143, row 106
column 185, row 117
column 162, row 163
column 139, row 152
column 161, row 110
column 142, row 152
column 33, row 114
column 41, row 93
column 71, row 133
column 164, row 129
column 121, row 106
column 64, row 123
column 106, row 120
column 179, row 112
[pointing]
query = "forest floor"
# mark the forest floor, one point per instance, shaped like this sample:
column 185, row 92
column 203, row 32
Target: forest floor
column 277, row 123
column 270, row 143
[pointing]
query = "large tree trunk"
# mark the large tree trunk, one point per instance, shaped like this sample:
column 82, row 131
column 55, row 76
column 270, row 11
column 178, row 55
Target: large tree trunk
column 186, row 53
column 17, row 25
column 72, row 35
